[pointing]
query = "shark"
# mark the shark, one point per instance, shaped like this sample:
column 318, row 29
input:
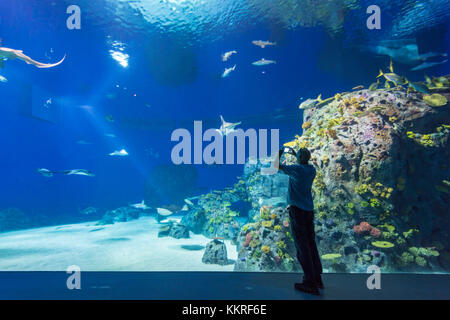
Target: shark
column 11, row 54
column 263, row 62
column 51, row 173
column 263, row 44
column 140, row 205
column 227, row 55
column 227, row 71
column 79, row 172
column 427, row 65
column 227, row 127
column 121, row 153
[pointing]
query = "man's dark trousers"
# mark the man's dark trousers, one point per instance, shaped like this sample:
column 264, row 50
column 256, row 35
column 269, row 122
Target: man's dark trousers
column 302, row 225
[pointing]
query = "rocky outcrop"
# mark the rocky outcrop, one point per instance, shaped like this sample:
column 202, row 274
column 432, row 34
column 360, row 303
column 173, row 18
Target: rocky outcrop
column 382, row 160
column 194, row 219
column 382, row 188
column 121, row 214
column 267, row 244
column 179, row 231
column 215, row 253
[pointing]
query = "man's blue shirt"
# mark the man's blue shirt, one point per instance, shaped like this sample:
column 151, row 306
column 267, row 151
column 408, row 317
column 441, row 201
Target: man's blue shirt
column 301, row 177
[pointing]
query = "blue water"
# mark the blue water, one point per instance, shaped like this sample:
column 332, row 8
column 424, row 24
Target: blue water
column 174, row 66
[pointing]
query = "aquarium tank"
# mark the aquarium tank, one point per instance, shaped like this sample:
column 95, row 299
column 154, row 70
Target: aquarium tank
column 139, row 135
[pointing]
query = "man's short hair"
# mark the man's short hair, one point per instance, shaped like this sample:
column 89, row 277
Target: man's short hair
column 303, row 155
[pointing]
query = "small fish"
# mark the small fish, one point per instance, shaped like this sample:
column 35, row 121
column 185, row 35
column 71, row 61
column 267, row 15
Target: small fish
column 185, row 208
column 45, row 172
column 308, row 104
column 427, row 65
column 189, row 202
column 110, row 135
column 263, row 44
column 263, row 62
column 227, row 71
column 374, row 86
column 227, row 55
column 121, row 153
column 227, row 127
column 419, row 87
column 140, row 205
column 79, row 172
column 48, row 103
column 358, row 87
column 109, row 118
column 164, row 212
column 3, row 79
column 392, row 77
column 391, row 67
column 89, row 210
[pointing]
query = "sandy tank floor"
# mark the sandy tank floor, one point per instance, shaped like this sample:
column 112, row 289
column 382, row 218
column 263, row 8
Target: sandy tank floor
column 126, row 246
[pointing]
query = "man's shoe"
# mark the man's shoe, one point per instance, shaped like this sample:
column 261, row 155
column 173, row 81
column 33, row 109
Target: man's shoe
column 308, row 288
column 319, row 283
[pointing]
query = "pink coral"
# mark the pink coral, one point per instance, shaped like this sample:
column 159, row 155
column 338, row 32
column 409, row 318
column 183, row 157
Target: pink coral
column 248, row 238
column 357, row 229
column 365, row 226
column 286, row 223
column 375, row 232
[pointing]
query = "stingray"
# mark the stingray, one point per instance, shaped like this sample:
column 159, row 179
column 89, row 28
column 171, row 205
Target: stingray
column 403, row 50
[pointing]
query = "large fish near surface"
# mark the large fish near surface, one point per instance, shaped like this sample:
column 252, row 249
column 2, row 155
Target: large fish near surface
column 263, row 62
column 263, row 44
column 7, row 53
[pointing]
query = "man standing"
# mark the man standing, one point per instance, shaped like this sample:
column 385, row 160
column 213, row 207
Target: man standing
column 301, row 213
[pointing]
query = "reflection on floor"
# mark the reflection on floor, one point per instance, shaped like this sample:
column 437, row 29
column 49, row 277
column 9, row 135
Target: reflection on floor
column 216, row 286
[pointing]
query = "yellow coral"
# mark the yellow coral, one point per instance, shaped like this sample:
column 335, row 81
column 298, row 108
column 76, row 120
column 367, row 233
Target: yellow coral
column 435, row 100
column 331, row 256
column 267, row 223
column 306, row 125
column 383, row 244
column 265, row 249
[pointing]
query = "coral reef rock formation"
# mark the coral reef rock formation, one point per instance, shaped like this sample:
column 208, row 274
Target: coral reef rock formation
column 215, row 253
column 267, row 244
column 179, row 231
column 381, row 193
